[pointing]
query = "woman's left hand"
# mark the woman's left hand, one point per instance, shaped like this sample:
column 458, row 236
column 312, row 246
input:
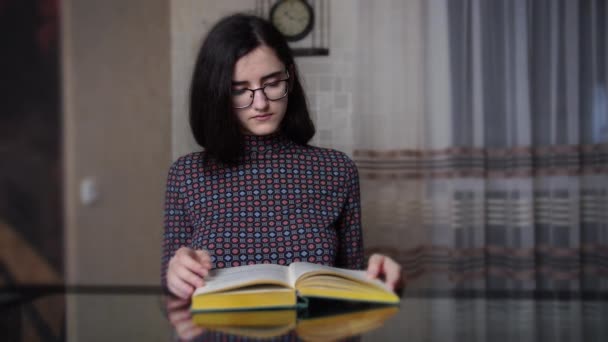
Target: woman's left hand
column 382, row 267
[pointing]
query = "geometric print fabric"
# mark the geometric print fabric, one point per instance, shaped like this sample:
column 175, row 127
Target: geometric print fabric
column 281, row 203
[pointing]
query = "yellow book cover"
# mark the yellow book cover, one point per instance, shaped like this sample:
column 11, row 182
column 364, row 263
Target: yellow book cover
column 268, row 286
column 255, row 324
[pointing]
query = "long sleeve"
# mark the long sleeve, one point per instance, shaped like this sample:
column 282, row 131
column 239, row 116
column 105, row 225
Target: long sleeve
column 350, row 238
column 177, row 226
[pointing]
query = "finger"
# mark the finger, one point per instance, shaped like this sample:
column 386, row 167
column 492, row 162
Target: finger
column 178, row 291
column 192, row 332
column 174, row 303
column 182, row 327
column 191, row 263
column 374, row 266
column 188, row 330
column 204, row 258
column 392, row 272
column 179, row 316
column 189, row 277
column 190, row 259
column 183, row 251
column 202, row 255
column 179, row 288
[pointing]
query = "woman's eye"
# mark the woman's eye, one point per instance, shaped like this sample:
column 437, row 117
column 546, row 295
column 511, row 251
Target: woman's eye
column 238, row 91
column 272, row 84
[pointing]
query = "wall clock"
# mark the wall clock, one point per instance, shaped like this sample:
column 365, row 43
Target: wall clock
column 303, row 23
column 295, row 19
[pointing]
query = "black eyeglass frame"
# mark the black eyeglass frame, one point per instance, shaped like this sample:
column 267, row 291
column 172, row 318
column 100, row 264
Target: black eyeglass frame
column 263, row 89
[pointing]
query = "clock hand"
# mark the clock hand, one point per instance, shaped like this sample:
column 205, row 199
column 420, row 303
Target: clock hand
column 288, row 15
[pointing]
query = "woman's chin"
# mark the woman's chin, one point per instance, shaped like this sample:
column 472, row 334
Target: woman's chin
column 262, row 130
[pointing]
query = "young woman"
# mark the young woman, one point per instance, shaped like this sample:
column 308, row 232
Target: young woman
column 258, row 193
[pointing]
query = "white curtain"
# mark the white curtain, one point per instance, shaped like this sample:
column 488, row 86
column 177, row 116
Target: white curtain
column 481, row 135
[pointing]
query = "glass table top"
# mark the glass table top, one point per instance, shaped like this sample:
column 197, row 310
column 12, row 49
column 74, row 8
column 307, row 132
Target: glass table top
column 139, row 313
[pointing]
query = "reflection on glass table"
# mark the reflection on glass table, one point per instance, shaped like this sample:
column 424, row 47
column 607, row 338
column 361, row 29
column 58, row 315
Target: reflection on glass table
column 321, row 321
column 133, row 314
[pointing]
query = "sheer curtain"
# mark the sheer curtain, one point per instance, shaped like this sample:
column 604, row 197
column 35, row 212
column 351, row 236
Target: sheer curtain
column 482, row 140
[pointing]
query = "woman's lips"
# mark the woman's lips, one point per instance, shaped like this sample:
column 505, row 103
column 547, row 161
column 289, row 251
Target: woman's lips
column 262, row 117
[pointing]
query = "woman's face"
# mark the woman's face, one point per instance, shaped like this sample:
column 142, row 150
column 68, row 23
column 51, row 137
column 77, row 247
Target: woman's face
column 261, row 67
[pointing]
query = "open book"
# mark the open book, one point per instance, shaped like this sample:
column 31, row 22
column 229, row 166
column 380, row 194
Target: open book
column 268, row 286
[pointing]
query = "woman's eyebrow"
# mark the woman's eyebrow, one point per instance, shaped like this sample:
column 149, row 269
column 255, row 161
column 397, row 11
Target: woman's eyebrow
column 271, row 75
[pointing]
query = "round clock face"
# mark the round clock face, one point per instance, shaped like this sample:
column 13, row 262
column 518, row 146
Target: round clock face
column 293, row 18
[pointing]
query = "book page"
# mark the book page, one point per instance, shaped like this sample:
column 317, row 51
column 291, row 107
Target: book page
column 236, row 277
column 299, row 270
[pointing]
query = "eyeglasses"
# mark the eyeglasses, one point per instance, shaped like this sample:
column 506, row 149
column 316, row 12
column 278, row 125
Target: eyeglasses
column 276, row 90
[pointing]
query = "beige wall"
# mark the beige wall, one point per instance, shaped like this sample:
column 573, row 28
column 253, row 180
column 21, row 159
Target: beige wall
column 116, row 71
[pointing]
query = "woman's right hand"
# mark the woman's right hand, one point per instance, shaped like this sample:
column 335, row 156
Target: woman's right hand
column 187, row 270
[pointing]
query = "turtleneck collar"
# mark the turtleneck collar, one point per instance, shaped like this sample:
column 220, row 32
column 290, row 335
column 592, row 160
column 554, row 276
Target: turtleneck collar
column 262, row 144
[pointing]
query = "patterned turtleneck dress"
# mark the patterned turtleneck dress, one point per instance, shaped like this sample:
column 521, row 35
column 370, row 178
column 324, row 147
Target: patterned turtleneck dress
column 282, row 203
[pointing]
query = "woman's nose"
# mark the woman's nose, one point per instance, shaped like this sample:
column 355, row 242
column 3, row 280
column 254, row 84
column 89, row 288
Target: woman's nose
column 260, row 102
